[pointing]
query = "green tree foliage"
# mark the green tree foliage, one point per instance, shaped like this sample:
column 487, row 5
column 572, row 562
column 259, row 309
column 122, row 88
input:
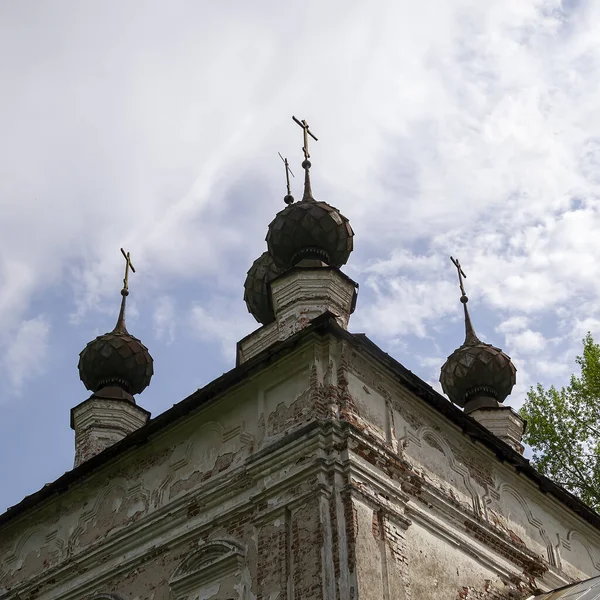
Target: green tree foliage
column 563, row 428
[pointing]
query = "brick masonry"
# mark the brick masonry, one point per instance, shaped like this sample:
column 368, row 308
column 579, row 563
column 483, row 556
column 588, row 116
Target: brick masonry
column 318, row 478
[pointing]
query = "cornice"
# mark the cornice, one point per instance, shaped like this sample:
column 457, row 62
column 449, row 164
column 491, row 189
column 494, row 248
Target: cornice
column 312, row 452
column 127, row 548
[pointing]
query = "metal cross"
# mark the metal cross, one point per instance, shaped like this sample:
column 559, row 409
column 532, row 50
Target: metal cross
column 307, row 132
column 128, row 266
column 288, row 172
column 461, row 274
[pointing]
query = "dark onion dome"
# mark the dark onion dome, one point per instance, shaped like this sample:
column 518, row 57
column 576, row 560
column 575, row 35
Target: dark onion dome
column 477, row 369
column 256, row 288
column 116, row 359
column 309, row 229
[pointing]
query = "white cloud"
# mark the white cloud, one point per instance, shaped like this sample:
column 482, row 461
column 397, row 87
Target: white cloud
column 221, row 321
column 513, row 324
column 460, row 127
column 164, row 319
column 529, row 341
column 25, row 353
column 582, row 325
column 401, row 306
column 473, row 134
column 152, row 137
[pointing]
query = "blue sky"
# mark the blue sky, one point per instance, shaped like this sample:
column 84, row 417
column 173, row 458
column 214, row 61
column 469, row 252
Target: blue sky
column 461, row 127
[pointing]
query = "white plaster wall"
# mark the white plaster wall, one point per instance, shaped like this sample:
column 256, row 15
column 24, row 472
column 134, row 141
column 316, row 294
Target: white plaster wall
column 146, row 487
column 471, row 476
column 187, row 470
column 369, row 567
column 438, row 570
column 371, row 406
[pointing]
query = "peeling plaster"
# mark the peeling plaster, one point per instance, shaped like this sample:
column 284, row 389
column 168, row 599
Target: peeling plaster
column 334, row 482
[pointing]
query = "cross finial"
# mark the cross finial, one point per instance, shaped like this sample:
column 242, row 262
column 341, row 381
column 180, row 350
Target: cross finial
column 128, row 266
column 307, row 132
column 470, row 335
column 461, row 274
column 306, row 163
column 288, row 198
column 120, row 326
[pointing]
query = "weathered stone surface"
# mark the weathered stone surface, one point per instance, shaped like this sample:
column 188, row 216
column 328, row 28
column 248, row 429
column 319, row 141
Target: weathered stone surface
column 504, row 423
column 320, row 477
column 100, row 422
column 298, row 296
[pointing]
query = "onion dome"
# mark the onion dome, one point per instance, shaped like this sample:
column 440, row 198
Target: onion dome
column 117, row 358
column 309, row 229
column 476, row 374
column 256, row 288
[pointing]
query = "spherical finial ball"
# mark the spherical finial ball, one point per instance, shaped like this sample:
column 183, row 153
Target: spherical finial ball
column 289, row 199
column 306, row 164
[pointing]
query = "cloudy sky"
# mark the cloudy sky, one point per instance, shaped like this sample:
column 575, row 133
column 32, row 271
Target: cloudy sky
column 458, row 127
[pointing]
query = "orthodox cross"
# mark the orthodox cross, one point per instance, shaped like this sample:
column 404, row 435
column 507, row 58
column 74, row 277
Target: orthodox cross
column 288, row 172
column 461, row 274
column 128, row 266
column 307, row 132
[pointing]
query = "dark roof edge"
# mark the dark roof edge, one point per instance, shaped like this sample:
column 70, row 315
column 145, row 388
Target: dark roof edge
column 325, row 323
column 193, row 401
column 478, row 432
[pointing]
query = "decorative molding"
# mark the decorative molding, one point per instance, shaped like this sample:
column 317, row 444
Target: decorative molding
column 125, row 548
column 14, row 559
column 116, row 487
column 212, row 561
column 531, row 519
column 377, row 505
column 574, row 534
column 408, row 435
column 231, row 434
column 458, row 467
column 184, row 452
column 241, row 489
column 247, row 439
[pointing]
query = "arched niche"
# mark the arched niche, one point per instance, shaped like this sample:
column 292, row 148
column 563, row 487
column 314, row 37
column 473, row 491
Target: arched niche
column 581, row 555
column 216, row 570
column 522, row 518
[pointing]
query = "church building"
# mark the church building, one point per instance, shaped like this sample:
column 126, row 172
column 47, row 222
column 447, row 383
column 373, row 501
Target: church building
column 318, row 468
